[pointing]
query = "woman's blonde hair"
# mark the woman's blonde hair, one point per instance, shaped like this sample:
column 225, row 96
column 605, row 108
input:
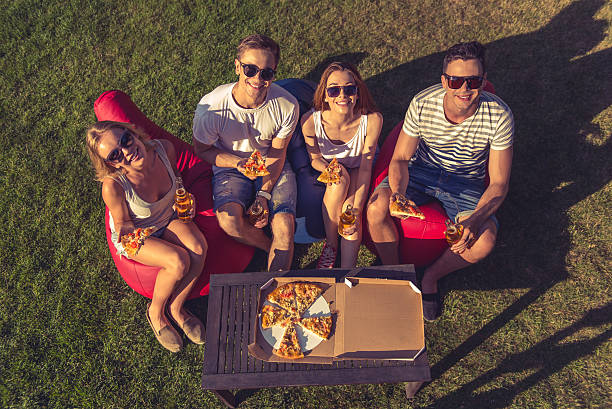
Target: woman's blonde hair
column 365, row 103
column 92, row 140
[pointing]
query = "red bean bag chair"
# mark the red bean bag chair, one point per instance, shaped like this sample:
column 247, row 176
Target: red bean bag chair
column 421, row 242
column 225, row 255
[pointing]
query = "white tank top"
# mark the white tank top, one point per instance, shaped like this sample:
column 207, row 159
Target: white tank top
column 349, row 153
column 143, row 213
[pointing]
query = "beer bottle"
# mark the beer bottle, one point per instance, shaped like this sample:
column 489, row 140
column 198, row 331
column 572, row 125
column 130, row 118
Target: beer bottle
column 255, row 212
column 347, row 222
column 453, row 232
column 182, row 201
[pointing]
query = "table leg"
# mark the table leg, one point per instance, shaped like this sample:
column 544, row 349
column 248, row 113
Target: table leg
column 412, row 388
column 226, row 397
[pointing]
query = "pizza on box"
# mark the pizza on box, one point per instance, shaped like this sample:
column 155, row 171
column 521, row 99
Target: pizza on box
column 132, row 242
column 404, row 208
column 291, row 301
column 332, row 173
column 256, row 165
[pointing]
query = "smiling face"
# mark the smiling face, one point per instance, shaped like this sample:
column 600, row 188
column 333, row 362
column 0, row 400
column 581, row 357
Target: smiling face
column 462, row 102
column 342, row 103
column 251, row 92
column 110, row 145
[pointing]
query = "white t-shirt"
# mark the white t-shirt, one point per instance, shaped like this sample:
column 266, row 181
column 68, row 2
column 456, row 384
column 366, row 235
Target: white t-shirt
column 221, row 122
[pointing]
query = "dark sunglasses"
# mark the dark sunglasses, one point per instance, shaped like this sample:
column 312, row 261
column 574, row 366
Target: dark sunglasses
column 251, row 70
column 126, row 140
column 349, row 91
column 457, row 82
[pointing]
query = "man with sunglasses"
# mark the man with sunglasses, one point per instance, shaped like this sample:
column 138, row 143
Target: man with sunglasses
column 453, row 133
column 229, row 124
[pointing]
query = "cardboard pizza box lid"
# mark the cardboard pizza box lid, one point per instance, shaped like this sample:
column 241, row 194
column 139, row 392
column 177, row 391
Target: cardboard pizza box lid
column 373, row 319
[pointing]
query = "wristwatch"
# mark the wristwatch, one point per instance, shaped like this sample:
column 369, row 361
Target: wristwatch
column 264, row 194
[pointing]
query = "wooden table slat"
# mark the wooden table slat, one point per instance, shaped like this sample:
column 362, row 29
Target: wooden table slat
column 231, row 322
column 213, row 323
column 239, row 314
column 253, row 291
column 223, row 330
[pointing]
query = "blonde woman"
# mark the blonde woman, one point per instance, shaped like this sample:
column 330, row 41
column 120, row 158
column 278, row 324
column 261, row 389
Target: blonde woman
column 138, row 178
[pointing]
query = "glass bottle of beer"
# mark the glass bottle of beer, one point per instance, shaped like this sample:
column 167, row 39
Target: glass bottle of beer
column 347, row 222
column 182, row 201
column 453, row 232
column 255, row 212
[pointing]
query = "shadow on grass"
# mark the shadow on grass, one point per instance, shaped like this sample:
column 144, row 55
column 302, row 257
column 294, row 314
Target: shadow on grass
column 560, row 158
column 545, row 359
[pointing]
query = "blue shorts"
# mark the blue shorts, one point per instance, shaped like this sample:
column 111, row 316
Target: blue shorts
column 157, row 233
column 458, row 195
column 231, row 186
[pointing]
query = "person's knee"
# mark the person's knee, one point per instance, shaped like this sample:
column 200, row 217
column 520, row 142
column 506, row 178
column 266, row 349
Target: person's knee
column 377, row 209
column 283, row 229
column 483, row 246
column 230, row 224
column 177, row 262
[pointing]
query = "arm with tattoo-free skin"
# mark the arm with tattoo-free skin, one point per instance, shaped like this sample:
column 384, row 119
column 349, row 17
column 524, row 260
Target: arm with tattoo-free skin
column 398, row 168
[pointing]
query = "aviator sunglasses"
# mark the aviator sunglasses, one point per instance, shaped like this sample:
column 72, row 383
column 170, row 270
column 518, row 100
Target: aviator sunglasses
column 457, row 82
column 126, row 140
column 349, row 91
column 251, row 70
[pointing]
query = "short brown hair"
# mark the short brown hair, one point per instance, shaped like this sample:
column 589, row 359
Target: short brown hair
column 92, row 140
column 259, row 42
column 365, row 103
column 465, row 51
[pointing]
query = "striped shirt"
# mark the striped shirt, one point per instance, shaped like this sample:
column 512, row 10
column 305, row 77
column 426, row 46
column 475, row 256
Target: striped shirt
column 462, row 149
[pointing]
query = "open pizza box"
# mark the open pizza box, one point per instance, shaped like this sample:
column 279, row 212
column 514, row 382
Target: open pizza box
column 373, row 318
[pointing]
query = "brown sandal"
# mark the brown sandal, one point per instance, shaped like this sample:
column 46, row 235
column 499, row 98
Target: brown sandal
column 166, row 336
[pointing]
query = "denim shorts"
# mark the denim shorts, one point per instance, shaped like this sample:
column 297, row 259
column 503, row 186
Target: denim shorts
column 157, row 233
column 458, row 195
column 231, row 186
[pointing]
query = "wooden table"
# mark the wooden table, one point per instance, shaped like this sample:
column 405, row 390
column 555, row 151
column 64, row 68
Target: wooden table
column 232, row 308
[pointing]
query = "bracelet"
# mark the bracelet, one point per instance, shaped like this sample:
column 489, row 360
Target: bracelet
column 264, row 194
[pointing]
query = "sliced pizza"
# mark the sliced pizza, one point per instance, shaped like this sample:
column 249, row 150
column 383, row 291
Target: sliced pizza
column 284, row 296
column 132, row 242
column 271, row 315
column 289, row 346
column 256, row 165
column 332, row 173
column 305, row 296
column 404, row 208
column 320, row 326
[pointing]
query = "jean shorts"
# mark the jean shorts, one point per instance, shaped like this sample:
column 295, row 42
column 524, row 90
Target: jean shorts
column 157, row 233
column 231, row 186
column 458, row 195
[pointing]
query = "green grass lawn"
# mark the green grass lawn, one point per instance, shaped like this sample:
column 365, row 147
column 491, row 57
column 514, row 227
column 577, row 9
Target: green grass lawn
column 528, row 327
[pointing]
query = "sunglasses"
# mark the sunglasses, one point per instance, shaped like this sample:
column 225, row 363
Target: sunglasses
column 348, row 90
column 126, row 140
column 457, row 82
column 251, row 70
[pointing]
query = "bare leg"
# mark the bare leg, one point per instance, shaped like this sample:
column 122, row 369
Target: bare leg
column 350, row 244
column 232, row 221
column 332, row 208
column 382, row 227
column 174, row 262
column 281, row 249
column 188, row 236
column 449, row 261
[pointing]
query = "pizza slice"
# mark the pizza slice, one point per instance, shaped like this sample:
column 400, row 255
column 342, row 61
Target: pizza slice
column 271, row 316
column 332, row 173
column 289, row 346
column 305, row 295
column 284, row 296
column 256, row 165
column 320, row 326
column 131, row 242
column 404, row 208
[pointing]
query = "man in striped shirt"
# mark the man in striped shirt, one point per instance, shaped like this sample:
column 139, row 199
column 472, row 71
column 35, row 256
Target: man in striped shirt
column 453, row 133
